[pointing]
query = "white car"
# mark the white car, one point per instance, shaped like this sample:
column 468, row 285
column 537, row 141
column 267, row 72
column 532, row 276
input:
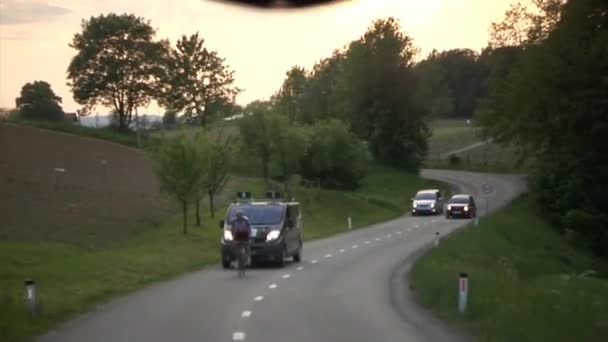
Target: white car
column 427, row 202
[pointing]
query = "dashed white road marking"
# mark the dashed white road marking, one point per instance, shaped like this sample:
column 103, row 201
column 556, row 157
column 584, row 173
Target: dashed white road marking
column 367, row 242
column 259, row 298
column 342, row 250
column 238, row 336
column 314, row 261
column 246, row 314
column 328, row 255
column 399, row 232
column 286, row 276
column 388, row 235
column 272, row 286
column 416, row 226
column 300, row 268
column 355, row 246
column 378, row 239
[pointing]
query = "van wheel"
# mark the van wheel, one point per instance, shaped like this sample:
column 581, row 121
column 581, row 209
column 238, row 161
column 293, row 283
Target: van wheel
column 225, row 264
column 283, row 258
column 298, row 256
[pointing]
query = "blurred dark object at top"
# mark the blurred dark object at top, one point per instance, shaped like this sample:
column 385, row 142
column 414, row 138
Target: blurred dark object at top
column 280, row 3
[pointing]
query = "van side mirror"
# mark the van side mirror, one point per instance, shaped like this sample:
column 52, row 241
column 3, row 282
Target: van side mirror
column 221, row 224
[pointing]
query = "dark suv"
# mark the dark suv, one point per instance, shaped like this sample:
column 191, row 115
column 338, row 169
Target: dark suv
column 276, row 231
column 462, row 205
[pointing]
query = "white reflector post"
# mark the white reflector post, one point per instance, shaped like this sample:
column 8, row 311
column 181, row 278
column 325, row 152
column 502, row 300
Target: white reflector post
column 463, row 292
column 30, row 295
column 436, row 240
column 350, row 223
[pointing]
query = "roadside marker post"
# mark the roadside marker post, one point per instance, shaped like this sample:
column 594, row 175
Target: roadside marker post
column 30, row 295
column 436, row 240
column 350, row 223
column 463, row 292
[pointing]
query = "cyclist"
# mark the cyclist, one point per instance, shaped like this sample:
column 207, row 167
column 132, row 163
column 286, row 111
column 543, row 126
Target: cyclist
column 241, row 232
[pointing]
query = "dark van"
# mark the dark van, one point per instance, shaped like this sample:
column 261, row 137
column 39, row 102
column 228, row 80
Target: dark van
column 276, row 230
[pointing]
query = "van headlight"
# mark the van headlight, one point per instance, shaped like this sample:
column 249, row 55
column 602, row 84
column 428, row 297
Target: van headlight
column 228, row 235
column 273, row 235
column 466, row 208
column 449, row 207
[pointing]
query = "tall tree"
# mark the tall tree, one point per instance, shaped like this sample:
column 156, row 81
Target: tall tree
column 523, row 26
column 116, row 65
column 196, row 80
column 38, row 101
column 180, row 170
column 219, row 162
column 258, row 130
column 553, row 107
column 374, row 67
column 289, row 99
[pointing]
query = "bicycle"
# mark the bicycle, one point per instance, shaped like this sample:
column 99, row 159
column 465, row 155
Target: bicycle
column 242, row 256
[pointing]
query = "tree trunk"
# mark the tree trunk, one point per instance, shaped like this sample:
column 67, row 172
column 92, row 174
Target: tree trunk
column 211, row 205
column 197, row 214
column 185, row 212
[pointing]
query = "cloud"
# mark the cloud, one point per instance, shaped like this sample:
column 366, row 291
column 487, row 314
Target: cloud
column 23, row 12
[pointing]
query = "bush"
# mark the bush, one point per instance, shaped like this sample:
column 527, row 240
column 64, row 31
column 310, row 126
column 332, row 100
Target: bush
column 454, row 159
column 334, row 156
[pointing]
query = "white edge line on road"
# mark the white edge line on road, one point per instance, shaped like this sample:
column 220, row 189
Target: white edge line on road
column 272, row 286
column 259, row 298
column 238, row 336
column 246, row 314
column 286, row 276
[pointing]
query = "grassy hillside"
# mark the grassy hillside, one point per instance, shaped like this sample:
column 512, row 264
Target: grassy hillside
column 526, row 282
column 100, row 230
column 105, row 192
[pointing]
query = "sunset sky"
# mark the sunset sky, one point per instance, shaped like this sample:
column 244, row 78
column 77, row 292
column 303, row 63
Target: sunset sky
column 258, row 44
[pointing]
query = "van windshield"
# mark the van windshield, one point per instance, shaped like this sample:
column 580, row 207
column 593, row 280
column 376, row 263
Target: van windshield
column 259, row 214
column 425, row 196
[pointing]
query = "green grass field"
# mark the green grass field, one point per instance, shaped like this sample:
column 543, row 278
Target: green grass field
column 526, row 282
column 73, row 279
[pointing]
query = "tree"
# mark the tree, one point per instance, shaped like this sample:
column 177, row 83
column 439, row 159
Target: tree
column 522, row 26
column 179, row 168
column 116, row 65
column 289, row 99
column 219, row 162
column 37, row 101
column 258, row 130
column 196, row 81
column 552, row 106
column 365, row 96
column 170, row 119
column 334, row 155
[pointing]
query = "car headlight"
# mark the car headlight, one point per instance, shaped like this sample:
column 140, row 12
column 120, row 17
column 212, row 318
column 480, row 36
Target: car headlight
column 228, row 235
column 273, row 235
column 433, row 204
column 449, row 207
column 413, row 204
column 466, row 208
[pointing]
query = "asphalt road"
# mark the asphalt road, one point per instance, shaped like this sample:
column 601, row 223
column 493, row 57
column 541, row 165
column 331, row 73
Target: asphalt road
column 350, row 287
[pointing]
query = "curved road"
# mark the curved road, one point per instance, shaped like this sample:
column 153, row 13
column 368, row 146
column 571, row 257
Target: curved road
column 347, row 288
